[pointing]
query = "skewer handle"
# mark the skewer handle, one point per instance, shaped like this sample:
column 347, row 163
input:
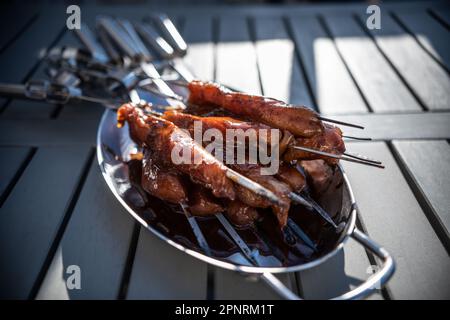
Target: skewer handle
column 88, row 39
column 120, row 37
column 154, row 40
column 171, row 33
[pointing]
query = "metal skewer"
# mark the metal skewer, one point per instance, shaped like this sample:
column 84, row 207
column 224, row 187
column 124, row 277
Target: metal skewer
column 340, row 157
column 316, row 207
column 196, row 230
column 361, row 157
column 357, row 138
column 253, row 186
column 340, row 122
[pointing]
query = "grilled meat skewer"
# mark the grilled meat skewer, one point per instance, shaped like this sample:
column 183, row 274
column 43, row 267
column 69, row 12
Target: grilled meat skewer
column 162, row 136
column 300, row 121
column 329, row 141
column 164, row 139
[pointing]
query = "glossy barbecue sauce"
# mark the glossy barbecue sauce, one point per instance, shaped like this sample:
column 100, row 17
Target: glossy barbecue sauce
column 265, row 239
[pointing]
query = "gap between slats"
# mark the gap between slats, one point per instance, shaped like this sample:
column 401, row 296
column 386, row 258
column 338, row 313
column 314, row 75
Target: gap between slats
column 22, row 30
column 420, row 196
column 63, row 225
column 17, row 175
column 36, row 65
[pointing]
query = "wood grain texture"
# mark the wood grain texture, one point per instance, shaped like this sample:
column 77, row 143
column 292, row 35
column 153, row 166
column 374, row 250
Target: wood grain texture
column 427, row 164
column 429, row 81
column 280, row 71
column 236, row 63
column 429, row 32
column 96, row 239
column 331, row 83
column 31, row 216
column 380, row 85
column 395, row 220
column 163, row 272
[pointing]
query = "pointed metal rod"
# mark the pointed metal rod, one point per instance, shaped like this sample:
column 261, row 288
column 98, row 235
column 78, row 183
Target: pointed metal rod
column 237, row 239
column 308, row 202
column 357, row 138
column 301, row 234
column 196, row 230
column 340, row 157
column 361, row 157
column 325, row 215
column 300, row 200
column 253, row 186
column 343, row 123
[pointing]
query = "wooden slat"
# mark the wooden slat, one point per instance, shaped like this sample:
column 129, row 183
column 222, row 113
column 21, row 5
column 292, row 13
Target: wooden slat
column 163, row 272
column 331, row 83
column 23, row 109
column 12, row 160
column 230, row 285
column 427, row 78
column 429, row 32
column 443, row 13
column 378, row 82
column 236, row 58
column 338, row 275
column 17, row 61
column 394, row 219
column 97, row 239
column 281, row 76
column 13, row 22
column 427, row 125
column 31, row 216
column 197, row 32
column 428, row 166
column 28, row 132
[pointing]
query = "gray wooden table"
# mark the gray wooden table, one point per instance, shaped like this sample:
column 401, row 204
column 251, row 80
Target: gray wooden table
column 56, row 210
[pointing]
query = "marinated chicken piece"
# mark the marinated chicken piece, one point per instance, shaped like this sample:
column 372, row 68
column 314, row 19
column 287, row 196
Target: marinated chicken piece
column 291, row 176
column 280, row 189
column 162, row 137
column 160, row 183
column 202, row 203
column 299, row 120
column 320, row 175
column 241, row 214
column 329, row 141
column 187, row 121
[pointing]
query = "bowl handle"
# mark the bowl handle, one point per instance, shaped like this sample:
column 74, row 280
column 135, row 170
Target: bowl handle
column 377, row 280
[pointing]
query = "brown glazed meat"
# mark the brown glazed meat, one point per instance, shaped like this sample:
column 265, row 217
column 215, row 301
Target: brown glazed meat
column 299, row 120
column 320, row 175
column 162, row 136
column 329, row 141
column 241, row 214
column 160, row 183
column 249, row 198
column 291, row 176
column 202, row 203
column 187, row 121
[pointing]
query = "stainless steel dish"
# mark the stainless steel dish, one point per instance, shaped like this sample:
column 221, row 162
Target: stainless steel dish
column 114, row 144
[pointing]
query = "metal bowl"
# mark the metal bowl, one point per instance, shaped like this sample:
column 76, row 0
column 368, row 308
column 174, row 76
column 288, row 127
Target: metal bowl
column 114, row 145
